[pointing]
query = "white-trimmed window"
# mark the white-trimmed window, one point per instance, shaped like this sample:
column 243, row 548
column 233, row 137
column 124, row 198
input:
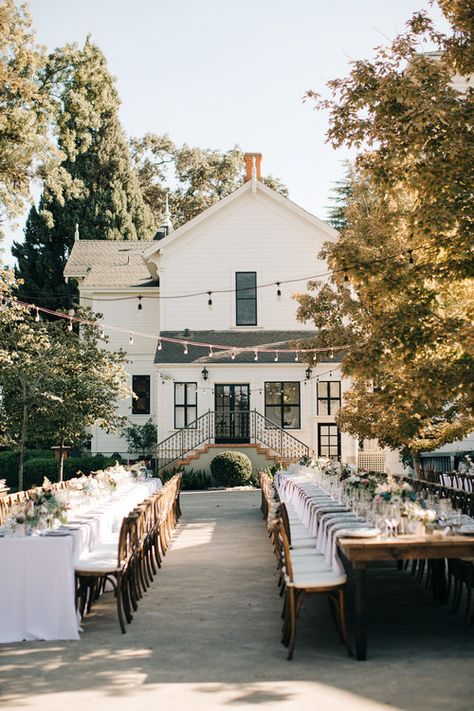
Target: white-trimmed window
column 185, row 404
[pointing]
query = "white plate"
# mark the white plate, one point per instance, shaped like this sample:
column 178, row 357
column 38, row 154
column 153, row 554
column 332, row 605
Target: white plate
column 364, row 533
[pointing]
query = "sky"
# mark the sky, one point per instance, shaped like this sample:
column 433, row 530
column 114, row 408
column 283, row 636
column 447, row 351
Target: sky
column 216, row 73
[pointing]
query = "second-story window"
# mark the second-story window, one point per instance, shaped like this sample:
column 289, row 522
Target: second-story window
column 329, row 397
column 141, row 388
column 246, row 298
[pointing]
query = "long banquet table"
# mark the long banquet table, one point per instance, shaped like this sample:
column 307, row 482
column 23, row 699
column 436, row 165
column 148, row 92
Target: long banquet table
column 37, row 588
column 331, row 522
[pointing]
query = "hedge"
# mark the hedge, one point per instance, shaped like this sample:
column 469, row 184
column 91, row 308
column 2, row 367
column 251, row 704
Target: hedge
column 36, row 468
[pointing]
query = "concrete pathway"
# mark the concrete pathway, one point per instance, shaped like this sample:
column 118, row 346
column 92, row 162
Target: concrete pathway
column 207, row 634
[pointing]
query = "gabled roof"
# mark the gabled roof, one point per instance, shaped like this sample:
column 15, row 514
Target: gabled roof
column 109, row 263
column 172, row 353
column 314, row 221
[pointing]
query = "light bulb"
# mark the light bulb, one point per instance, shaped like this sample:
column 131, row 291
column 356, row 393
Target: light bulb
column 232, row 357
column 256, row 355
column 37, row 317
column 185, row 349
column 160, row 345
column 296, row 357
column 69, row 326
column 278, row 291
column 140, row 306
column 276, row 357
column 209, row 301
column 211, row 353
column 130, row 340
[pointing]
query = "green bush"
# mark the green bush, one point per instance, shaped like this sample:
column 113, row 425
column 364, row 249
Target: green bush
column 9, row 463
column 193, row 479
column 231, row 469
column 35, row 470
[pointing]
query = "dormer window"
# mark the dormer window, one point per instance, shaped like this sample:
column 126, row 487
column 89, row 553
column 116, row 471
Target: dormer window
column 246, row 298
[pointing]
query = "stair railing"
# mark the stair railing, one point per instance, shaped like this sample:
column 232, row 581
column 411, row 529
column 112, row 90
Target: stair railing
column 277, row 438
column 249, row 426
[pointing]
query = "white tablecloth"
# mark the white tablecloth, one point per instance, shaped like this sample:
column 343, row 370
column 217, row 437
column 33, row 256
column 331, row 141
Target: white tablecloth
column 37, row 572
column 37, row 589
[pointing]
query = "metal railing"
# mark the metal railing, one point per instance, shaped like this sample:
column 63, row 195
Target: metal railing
column 232, row 428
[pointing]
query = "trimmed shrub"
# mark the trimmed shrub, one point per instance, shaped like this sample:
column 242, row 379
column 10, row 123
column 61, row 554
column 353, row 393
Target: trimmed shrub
column 231, row 469
column 35, row 470
column 193, row 479
column 9, row 463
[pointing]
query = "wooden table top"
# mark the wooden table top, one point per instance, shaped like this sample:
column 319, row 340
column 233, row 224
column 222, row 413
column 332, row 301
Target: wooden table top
column 407, row 547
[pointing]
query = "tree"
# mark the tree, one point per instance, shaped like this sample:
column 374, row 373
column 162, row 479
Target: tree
column 96, row 186
column 141, row 438
column 54, row 383
column 194, row 178
column 26, row 151
column 400, row 295
column 24, row 352
column 85, row 382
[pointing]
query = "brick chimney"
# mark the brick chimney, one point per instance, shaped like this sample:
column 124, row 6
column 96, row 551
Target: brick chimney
column 248, row 157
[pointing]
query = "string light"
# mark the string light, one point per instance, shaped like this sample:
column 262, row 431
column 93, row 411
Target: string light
column 130, row 340
column 346, row 278
column 140, row 306
column 315, row 357
column 102, row 333
column 331, row 354
column 37, row 317
column 276, row 357
column 278, row 291
column 185, row 349
column 296, row 357
column 232, row 357
column 211, row 352
column 410, row 257
column 256, row 355
column 209, row 301
column 69, row 326
column 168, row 339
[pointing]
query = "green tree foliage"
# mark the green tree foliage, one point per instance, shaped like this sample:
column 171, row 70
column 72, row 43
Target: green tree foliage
column 54, row 383
column 405, row 305
column 26, row 151
column 341, row 194
column 194, row 178
column 96, row 185
column 141, row 438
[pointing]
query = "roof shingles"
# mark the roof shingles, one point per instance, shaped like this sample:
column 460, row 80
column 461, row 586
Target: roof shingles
column 109, row 263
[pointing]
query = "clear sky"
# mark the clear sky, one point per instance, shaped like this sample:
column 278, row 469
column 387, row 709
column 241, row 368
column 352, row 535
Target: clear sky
column 215, row 73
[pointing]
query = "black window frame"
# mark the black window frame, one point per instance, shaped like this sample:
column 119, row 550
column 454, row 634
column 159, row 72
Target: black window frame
column 282, row 404
column 328, row 399
column 186, row 406
column 146, row 398
column 239, row 298
column 331, row 426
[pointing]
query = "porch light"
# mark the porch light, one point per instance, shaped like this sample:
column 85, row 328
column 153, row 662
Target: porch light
column 205, row 373
column 308, row 372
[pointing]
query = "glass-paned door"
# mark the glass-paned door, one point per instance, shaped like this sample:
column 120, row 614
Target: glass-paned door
column 232, row 414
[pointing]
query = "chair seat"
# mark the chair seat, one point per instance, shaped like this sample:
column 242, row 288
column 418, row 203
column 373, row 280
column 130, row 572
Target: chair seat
column 309, row 564
column 318, row 579
column 97, row 566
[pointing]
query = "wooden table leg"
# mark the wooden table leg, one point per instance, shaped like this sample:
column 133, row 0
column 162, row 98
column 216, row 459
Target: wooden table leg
column 360, row 630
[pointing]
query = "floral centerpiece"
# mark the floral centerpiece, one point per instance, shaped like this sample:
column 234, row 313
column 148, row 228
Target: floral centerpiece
column 44, row 507
column 394, row 490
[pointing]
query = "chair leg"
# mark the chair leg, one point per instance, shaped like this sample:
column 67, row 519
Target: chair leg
column 120, row 611
column 292, row 621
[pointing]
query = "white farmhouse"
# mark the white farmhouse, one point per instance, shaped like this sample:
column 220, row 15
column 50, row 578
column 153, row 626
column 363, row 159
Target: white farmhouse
column 224, row 280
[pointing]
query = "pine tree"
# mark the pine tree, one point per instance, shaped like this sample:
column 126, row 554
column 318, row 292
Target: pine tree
column 96, row 186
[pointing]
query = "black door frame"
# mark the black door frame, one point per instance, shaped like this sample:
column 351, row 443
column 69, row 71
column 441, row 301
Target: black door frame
column 237, row 427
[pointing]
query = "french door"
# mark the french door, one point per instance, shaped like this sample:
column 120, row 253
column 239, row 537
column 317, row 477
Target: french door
column 232, row 414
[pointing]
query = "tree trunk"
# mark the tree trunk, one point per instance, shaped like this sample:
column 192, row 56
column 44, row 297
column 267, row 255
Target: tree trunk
column 416, row 464
column 22, row 446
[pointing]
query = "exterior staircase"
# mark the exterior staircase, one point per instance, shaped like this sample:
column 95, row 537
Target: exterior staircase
column 245, row 431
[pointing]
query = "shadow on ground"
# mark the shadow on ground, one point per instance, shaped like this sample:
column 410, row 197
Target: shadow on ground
column 207, row 636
